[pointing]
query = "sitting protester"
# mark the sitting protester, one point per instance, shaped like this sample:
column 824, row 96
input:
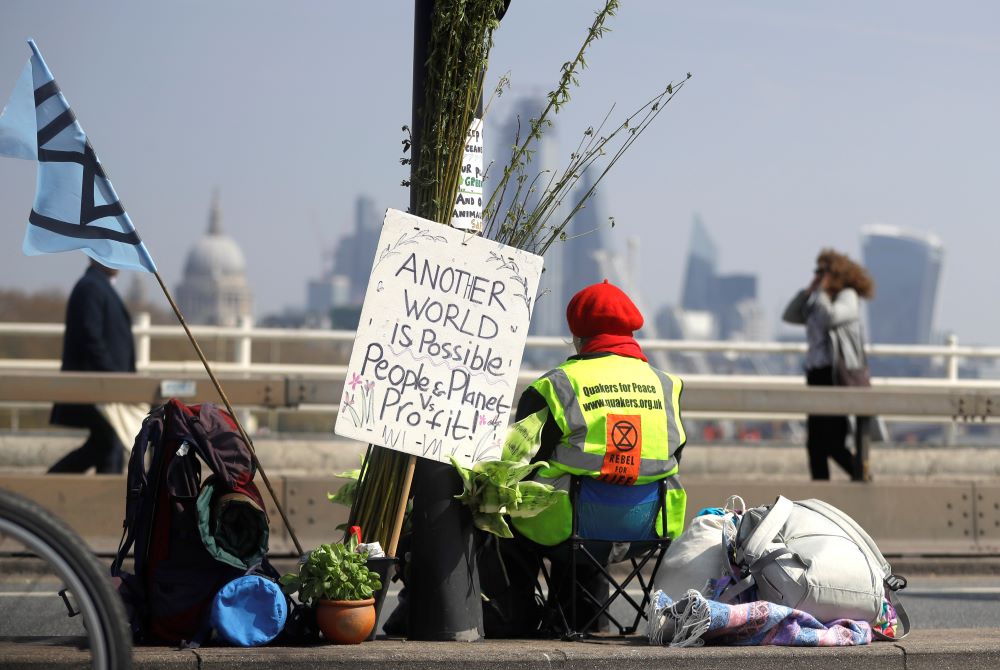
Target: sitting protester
column 605, row 413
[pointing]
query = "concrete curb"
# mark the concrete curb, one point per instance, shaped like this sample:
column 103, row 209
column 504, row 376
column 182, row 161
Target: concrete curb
column 969, row 649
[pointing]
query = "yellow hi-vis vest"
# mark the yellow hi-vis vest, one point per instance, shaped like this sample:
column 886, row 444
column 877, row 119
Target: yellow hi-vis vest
column 620, row 421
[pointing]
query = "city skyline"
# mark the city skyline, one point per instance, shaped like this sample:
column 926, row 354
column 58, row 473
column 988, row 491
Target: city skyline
column 801, row 125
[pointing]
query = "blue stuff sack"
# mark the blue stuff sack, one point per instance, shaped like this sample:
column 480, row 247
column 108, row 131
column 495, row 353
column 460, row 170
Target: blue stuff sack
column 249, row 611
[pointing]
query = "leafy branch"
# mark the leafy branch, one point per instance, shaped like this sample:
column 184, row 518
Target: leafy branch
column 525, row 222
column 492, row 489
column 460, row 42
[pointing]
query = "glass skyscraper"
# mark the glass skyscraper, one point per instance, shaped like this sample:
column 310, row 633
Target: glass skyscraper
column 906, row 267
column 699, row 275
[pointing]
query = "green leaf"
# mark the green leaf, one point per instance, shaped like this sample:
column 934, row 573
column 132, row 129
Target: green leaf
column 332, row 572
column 492, row 523
column 535, row 498
column 519, row 471
column 345, row 495
column 463, row 473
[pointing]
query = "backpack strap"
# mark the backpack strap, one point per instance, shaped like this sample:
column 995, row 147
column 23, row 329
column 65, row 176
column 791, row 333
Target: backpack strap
column 731, row 592
column 755, row 549
column 756, row 545
column 895, row 583
column 770, row 557
column 136, row 483
column 132, row 496
column 124, row 544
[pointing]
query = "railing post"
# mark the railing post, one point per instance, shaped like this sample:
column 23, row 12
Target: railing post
column 862, row 449
column 951, row 429
column 142, row 342
column 952, row 357
column 244, row 345
column 244, row 357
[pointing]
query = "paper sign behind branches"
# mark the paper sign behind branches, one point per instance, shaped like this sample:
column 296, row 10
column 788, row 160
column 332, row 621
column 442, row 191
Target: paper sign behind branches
column 435, row 363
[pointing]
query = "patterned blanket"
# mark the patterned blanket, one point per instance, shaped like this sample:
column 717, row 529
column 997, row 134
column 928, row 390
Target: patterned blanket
column 694, row 620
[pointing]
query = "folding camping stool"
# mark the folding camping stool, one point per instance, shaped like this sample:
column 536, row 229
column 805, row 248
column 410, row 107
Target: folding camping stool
column 605, row 516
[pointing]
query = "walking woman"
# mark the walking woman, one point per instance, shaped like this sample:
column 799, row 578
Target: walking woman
column 830, row 310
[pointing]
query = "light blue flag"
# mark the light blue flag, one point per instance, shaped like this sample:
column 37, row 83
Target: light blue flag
column 75, row 205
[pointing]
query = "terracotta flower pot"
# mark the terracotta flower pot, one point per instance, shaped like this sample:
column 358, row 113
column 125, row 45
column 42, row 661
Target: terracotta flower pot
column 346, row 621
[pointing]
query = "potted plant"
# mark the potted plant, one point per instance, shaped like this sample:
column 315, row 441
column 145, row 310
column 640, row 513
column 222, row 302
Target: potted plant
column 336, row 580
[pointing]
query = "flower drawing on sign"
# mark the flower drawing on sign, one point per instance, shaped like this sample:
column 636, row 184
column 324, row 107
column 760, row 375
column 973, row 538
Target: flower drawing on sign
column 348, row 403
column 368, row 402
column 515, row 274
column 363, row 411
column 488, row 446
column 355, row 381
column 406, row 239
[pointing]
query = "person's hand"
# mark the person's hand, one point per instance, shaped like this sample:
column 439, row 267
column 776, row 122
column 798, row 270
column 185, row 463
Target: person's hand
column 815, row 284
column 824, row 283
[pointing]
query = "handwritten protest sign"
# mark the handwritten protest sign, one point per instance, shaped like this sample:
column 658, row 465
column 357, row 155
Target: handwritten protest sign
column 468, row 211
column 439, row 343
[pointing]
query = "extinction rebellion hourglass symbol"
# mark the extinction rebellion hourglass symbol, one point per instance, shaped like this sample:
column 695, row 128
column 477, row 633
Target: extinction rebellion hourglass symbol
column 623, row 449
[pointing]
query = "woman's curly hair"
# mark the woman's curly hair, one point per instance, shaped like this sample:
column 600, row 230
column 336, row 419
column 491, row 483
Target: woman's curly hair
column 843, row 273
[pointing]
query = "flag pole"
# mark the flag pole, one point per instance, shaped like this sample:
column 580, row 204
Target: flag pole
column 232, row 412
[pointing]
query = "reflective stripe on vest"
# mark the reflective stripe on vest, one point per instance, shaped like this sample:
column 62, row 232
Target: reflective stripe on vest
column 574, row 453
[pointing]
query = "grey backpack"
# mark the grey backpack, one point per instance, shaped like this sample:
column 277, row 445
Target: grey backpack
column 810, row 556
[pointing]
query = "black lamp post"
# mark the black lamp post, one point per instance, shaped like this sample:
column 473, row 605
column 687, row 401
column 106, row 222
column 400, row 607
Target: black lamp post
column 445, row 601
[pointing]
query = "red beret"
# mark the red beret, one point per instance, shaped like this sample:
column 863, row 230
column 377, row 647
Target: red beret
column 602, row 308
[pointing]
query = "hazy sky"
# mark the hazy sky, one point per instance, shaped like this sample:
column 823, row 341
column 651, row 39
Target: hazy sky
column 804, row 121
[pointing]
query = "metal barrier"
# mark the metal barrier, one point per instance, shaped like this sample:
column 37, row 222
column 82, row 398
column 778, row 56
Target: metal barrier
column 317, row 387
column 245, row 335
column 712, row 397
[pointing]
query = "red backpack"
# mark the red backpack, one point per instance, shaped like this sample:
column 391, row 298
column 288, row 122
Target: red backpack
column 191, row 537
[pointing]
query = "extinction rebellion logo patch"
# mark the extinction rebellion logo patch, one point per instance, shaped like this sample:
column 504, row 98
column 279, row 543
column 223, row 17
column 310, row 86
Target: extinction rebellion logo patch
column 623, row 449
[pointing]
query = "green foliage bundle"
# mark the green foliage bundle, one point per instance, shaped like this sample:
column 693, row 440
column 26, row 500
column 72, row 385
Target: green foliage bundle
column 374, row 497
column 492, row 489
column 460, row 41
column 332, row 572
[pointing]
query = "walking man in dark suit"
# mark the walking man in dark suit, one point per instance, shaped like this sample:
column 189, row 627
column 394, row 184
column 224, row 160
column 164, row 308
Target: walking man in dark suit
column 98, row 338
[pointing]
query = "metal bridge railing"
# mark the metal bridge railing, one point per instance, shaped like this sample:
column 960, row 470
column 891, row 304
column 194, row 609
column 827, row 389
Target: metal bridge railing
column 246, row 334
column 768, row 405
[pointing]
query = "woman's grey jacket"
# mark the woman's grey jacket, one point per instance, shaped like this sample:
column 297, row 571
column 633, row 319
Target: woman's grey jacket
column 833, row 327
